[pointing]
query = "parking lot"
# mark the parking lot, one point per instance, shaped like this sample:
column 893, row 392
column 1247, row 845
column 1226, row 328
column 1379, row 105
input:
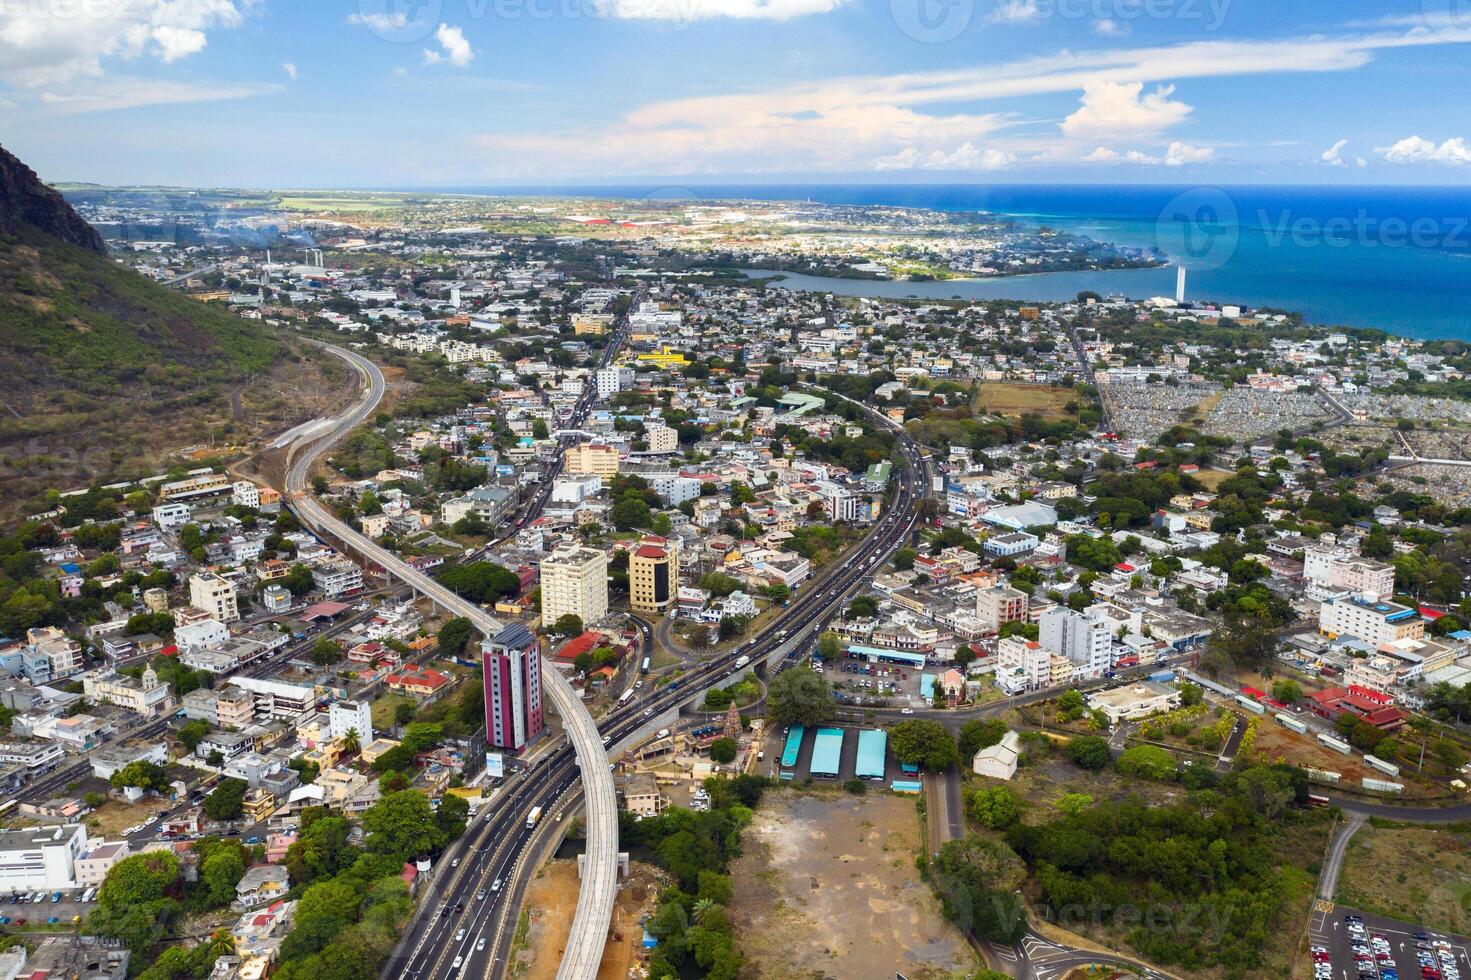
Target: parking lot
column 19, row 912
column 1352, row 945
column 858, row 682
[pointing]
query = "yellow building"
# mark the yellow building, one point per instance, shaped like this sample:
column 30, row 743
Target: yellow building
column 592, row 458
column 653, row 575
column 664, row 358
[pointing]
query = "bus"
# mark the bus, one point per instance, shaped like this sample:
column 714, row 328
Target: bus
column 645, row 668
column 623, row 698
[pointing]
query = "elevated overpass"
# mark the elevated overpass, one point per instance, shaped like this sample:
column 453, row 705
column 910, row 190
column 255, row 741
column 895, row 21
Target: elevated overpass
column 599, row 883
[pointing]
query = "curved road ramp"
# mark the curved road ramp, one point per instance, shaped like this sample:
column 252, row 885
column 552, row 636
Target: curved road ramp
column 600, row 871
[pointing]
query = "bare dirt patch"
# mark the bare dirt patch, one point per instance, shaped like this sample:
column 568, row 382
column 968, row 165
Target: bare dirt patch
column 1023, row 399
column 551, row 901
column 827, row 888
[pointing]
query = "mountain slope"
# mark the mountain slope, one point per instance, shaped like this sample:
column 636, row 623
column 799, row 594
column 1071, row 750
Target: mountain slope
column 106, row 373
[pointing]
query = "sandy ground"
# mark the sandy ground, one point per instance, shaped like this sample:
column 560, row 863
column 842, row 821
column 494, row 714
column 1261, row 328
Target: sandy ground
column 551, row 901
column 827, row 888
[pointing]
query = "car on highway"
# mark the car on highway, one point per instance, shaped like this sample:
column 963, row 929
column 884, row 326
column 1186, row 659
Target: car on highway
column 480, row 945
column 495, row 886
column 480, row 895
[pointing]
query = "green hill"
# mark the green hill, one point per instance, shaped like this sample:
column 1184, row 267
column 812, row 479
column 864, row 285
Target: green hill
column 105, row 374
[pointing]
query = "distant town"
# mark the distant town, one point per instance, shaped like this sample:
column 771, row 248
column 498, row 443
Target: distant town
column 996, row 611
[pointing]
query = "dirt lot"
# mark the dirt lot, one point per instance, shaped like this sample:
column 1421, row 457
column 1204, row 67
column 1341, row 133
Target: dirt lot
column 1416, row 874
column 1274, row 742
column 551, row 901
column 113, row 817
column 827, row 888
column 1022, row 399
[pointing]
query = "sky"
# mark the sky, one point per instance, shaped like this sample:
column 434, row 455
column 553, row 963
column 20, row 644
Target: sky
column 479, row 93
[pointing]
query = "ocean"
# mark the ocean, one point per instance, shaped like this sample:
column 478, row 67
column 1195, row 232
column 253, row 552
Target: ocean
column 1395, row 258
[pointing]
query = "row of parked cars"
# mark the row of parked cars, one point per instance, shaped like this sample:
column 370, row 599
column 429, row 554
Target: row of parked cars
column 1374, row 955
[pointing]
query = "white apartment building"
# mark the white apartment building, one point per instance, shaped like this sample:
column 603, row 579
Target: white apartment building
column 146, row 696
column 351, row 716
column 40, row 858
column 840, row 503
column 202, row 635
column 610, row 381
column 1022, row 665
column 574, row 581
column 49, row 655
column 336, row 578
column 1083, row 638
column 214, row 595
column 246, row 494
column 1375, row 623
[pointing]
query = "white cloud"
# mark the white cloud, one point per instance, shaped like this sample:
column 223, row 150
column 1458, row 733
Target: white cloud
column 455, row 49
column 1415, row 149
column 967, row 156
column 1113, row 110
column 1102, row 155
column 848, row 124
column 1331, row 155
column 130, row 93
column 290, row 70
column 1108, row 27
column 1016, row 12
column 44, row 44
column 688, row 11
column 1180, row 154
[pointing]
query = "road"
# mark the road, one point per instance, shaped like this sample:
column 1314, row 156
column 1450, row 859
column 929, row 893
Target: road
column 1333, row 865
column 595, row 900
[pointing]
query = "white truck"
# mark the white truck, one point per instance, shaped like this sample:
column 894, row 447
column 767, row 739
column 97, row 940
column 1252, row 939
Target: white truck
column 533, row 817
column 742, row 660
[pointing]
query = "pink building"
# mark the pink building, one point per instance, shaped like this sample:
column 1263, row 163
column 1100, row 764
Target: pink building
column 513, row 710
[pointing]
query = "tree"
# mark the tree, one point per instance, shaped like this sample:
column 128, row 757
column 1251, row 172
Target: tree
column 1191, row 695
column 723, row 750
column 401, row 825
column 220, row 873
column 326, row 651
column 191, row 733
column 1149, row 761
column 926, row 743
column 799, row 697
column 569, row 624
column 980, row 733
column 133, row 905
column 454, row 636
column 227, row 801
column 1089, row 752
column 149, row 776
column 298, row 581
column 1070, row 705
column 1073, row 804
column 829, row 646
column 994, row 807
column 1287, row 691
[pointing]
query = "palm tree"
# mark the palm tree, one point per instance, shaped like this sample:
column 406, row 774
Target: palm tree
column 350, row 743
column 704, row 907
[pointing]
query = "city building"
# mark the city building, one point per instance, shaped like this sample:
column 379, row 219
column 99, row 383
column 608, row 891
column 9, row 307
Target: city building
column 1376, row 623
column 513, row 694
column 39, row 858
column 230, row 707
column 1134, row 701
column 214, row 595
column 594, row 458
column 351, row 716
column 337, row 578
column 1000, row 604
column 574, row 582
column 91, row 868
column 662, row 438
column 146, row 695
column 1083, row 638
column 653, row 576
column 999, row 761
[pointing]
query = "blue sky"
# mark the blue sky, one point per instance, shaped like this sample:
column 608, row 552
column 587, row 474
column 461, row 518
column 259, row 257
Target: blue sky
column 394, row 93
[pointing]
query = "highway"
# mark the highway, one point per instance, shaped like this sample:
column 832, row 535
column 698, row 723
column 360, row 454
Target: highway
column 599, row 883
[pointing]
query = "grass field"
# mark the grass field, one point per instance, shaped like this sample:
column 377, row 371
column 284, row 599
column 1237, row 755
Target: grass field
column 1416, row 874
column 1213, row 478
column 340, row 205
column 1004, row 398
